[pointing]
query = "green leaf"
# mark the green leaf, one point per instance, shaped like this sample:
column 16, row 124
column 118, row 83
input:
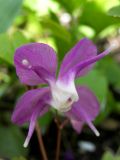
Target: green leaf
column 117, row 157
column 72, row 6
column 117, row 108
column 46, row 119
column 19, row 158
column 6, row 48
column 18, row 39
column 96, row 82
column 106, row 108
column 8, row 44
column 8, row 11
column 11, row 142
column 4, row 83
column 56, row 29
column 108, row 156
column 60, row 34
column 111, row 70
column 91, row 11
column 115, row 11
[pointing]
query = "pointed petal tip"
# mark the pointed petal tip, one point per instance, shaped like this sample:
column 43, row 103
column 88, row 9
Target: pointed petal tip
column 109, row 49
column 97, row 133
column 112, row 47
column 93, row 128
column 25, row 143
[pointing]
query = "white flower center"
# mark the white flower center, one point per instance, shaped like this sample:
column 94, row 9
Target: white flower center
column 63, row 96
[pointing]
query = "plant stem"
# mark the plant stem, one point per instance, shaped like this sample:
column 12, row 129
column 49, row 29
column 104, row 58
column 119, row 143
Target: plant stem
column 40, row 140
column 65, row 122
column 58, row 143
column 60, row 127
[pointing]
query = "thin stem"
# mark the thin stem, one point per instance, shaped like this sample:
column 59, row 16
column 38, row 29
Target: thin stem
column 65, row 122
column 60, row 127
column 58, row 143
column 40, row 140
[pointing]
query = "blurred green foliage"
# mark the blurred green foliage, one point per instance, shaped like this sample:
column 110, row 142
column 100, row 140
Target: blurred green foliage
column 8, row 11
column 110, row 156
column 11, row 136
column 115, row 11
column 61, row 25
column 8, row 44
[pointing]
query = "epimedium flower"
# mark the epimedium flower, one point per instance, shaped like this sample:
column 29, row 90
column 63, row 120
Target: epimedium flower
column 36, row 63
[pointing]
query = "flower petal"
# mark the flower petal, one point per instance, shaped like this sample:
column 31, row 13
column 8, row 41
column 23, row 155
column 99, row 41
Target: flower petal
column 85, row 109
column 44, row 74
column 77, row 125
column 29, row 102
column 31, row 128
column 82, row 51
column 34, row 54
column 73, row 69
column 76, row 70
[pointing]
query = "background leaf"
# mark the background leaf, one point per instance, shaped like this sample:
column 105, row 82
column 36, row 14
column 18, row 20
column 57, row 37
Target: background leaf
column 115, row 11
column 94, row 11
column 96, row 82
column 11, row 142
column 56, row 29
column 8, row 45
column 8, row 11
column 108, row 155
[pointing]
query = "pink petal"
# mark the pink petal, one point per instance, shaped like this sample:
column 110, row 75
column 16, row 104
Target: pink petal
column 85, row 109
column 77, row 125
column 76, row 70
column 44, row 74
column 31, row 128
column 72, row 68
column 82, row 51
column 29, row 102
column 34, row 54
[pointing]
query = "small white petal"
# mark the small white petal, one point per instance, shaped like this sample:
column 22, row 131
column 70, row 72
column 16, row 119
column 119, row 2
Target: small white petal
column 61, row 93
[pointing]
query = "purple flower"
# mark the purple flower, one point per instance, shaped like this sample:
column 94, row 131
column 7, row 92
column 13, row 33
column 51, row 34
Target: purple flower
column 36, row 63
